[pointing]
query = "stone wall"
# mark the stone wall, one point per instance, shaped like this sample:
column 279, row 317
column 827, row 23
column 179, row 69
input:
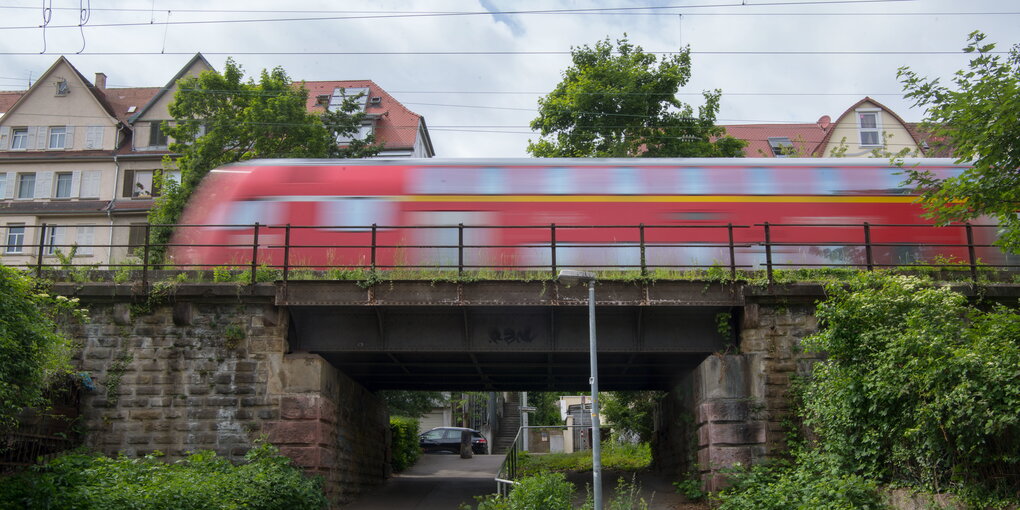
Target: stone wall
column 213, row 374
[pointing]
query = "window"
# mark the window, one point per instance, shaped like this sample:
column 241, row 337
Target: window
column 19, row 140
column 84, row 239
column 157, row 137
column 15, row 239
column 138, row 184
column 55, row 240
column 63, row 185
column 136, row 236
column 869, row 126
column 26, row 185
column 58, row 137
column 363, row 131
column 63, row 88
column 358, row 94
column 781, row 146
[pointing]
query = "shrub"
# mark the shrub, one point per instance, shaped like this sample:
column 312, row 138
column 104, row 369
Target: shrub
column 406, row 449
column 83, row 481
column 615, row 456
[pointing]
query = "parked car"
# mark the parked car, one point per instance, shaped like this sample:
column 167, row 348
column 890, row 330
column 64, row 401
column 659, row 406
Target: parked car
column 447, row 439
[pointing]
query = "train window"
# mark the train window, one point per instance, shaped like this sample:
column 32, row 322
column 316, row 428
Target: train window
column 560, row 181
column 693, row 181
column 438, row 180
column 245, row 213
column 625, row 181
column 348, row 213
column 490, row 181
column 761, row 181
column 828, row 181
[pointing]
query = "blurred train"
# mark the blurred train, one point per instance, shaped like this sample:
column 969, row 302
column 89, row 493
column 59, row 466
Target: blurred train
column 524, row 213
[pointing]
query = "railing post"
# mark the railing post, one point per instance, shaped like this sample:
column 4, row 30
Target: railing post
column 552, row 246
column 460, row 249
column 286, row 252
column 971, row 253
column 644, row 265
column 733, row 258
column 869, row 255
column 254, row 254
column 39, row 255
column 374, row 234
column 768, row 253
column 145, row 256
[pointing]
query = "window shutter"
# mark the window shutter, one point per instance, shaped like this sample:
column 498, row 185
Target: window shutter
column 129, row 183
column 5, row 139
column 31, row 138
column 9, row 192
column 42, row 137
column 85, row 238
column 76, row 184
column 43, row 184
column 90, row 184
column 69, row 137
column 3, row 185
column 94, row 137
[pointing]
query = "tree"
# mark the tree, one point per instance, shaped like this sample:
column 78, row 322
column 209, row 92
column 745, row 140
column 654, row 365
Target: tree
column 631, row 412
column 980, row 122
column 622, row 103
column 221, row 119
column 413, row 404
column 32, row 348
column 547, row 410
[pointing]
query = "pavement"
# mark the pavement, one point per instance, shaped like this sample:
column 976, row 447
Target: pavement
column 435, row 482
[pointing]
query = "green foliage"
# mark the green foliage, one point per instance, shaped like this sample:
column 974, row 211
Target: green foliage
column 691, row 489
column 547, row 411
column 631, row 412
column 619, row 101
column 813, row 482
column 202, row 481
column 33, row 349
column 406, row 449
column 919, row 386
column 977, row 122
column 548, row 491
column 412, row 403
column 615, row 456
column 219, row 118
column 626, row 496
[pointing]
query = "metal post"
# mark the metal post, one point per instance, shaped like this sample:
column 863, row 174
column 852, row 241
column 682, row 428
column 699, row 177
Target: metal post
column 552, row 244
column 971, row 253
column 374, row 233
column 596, row 448
column 768, row 253
column 867, row 247
column 39, row 255
column 286, row 252
column 733, row 259
column 254, row 255
column 145, row 257
column 644, row 265
column 460, row 250
column 524, row 421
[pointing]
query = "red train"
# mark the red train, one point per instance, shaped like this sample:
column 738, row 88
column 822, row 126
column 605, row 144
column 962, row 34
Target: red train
column 508, row 209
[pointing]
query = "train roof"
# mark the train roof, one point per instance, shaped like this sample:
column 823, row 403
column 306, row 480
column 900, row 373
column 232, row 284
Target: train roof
column 643, row 162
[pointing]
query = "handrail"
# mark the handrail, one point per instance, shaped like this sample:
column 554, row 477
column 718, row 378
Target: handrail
column 506, row 476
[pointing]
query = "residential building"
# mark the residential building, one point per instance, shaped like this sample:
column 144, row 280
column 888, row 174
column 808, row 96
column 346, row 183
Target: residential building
column 865, row 129
column 80, row 158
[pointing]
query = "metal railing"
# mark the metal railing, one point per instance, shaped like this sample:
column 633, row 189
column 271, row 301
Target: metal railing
column 641, row 248
column 509, row 469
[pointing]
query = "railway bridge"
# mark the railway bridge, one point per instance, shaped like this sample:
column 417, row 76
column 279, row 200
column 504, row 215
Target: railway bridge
column 189, row 366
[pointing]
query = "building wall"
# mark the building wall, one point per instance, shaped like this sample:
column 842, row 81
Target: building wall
column 896, row 135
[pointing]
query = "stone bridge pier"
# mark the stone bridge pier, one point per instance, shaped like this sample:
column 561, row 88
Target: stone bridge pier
column 208, row 368
column 734, row 407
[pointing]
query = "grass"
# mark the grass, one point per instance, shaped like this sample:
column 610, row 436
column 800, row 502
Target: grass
column 615, row 456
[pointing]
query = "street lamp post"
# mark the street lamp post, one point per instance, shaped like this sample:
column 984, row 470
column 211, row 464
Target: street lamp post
column 587, row 277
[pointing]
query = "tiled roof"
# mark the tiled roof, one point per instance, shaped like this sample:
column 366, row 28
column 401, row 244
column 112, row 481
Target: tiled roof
column 8, row 98
column 805, row 137
column 397, row 126
column 122, row 99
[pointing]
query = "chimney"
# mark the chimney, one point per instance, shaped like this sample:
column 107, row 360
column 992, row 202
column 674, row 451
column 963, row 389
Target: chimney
column 101, row 80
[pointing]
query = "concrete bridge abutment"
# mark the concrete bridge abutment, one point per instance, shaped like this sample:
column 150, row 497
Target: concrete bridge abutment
column 209, row 369
column 735, row 407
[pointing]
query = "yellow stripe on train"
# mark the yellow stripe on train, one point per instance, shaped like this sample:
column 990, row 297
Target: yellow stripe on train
column 905, row 199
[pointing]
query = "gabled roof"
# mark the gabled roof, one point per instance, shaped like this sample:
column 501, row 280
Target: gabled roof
column 8, row 98
column 169, row 85
column 93, row 92
column 121, row 100
column 396, row 127
column 825, row 141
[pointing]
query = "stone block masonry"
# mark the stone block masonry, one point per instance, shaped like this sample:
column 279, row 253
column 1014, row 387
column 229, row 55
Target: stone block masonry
column 213, row 373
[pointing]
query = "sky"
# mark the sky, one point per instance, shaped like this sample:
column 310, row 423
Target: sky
column 476, row 68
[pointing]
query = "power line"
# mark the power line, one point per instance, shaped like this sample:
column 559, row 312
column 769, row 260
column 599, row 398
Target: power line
column 497, row 53
column 458, row 13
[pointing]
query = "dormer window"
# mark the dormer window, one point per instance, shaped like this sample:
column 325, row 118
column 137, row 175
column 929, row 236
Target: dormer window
column 870, row 126
column 63, row 88
column 359, row 94
column 781, row 146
